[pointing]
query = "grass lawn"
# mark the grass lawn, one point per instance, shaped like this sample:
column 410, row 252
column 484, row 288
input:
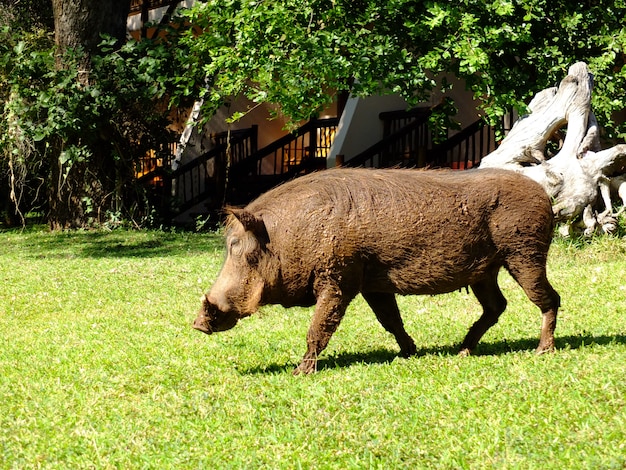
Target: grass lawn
column 99, row 368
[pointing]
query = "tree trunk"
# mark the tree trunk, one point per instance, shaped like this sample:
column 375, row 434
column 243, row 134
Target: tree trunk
column 580, row 171
column 79, row 25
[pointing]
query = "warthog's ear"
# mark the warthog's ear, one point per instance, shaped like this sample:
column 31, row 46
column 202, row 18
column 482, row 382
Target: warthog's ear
column 250, row 223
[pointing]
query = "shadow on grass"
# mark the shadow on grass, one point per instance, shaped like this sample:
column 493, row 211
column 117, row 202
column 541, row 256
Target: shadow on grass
column 495, row 348
column 341, row 360
column 116, row 244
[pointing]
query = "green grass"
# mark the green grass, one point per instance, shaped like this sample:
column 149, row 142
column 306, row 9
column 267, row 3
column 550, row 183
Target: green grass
column 99, row 368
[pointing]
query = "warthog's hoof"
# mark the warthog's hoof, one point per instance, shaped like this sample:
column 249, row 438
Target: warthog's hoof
column 465, row 352
column 408, row 351
column 544, row 349
column 307, row 366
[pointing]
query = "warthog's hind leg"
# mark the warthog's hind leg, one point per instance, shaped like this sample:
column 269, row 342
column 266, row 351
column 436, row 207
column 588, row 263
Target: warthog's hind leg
column 530, row 274
column 386, row 309
column 493, row 302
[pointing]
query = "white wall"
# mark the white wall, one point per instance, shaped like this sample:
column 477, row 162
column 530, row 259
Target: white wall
column 360, row 127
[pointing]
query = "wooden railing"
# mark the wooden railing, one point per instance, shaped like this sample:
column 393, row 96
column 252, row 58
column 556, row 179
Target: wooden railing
column 243, row 143
column 155, row 160
column 301, row 151
column 205, row 177
column 309, row 144
column 412, row 146
column 394, row 121
column 234, row 171
column 137, row 5
column 404, row 147
column 464, row 149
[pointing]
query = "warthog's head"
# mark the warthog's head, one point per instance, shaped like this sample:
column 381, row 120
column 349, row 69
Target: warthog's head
column 248, row 268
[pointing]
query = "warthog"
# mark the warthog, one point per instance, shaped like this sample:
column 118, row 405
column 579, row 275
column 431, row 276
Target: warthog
column 323, row 238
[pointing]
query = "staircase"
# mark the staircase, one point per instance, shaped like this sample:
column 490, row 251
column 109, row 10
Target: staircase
column 406, row 139
column 235, row 171
column 408, row 143
column 204, row 179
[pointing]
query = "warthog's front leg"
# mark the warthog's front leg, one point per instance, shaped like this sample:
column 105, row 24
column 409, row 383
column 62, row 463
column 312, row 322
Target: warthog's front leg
column 329, row 310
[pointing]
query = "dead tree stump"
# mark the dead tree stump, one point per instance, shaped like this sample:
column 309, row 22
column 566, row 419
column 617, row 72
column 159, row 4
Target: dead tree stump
column 578, row 176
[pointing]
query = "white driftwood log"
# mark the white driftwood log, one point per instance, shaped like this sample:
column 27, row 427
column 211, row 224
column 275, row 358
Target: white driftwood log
column 580, row 171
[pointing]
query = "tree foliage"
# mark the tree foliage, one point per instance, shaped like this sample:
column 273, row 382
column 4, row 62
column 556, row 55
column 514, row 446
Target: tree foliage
column 75, row 142
column 294, row 53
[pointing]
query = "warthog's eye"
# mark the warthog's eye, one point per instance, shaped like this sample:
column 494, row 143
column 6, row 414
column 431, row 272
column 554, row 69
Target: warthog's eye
column 235, row 246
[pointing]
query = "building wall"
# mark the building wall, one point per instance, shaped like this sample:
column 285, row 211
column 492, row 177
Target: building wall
column 360, row 127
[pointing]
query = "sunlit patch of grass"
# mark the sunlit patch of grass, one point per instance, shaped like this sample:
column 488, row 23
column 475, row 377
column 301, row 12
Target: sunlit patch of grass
column 99, row 367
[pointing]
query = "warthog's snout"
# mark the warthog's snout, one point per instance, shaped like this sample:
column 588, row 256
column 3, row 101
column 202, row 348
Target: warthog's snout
column 201, row 323
column 206, row 315
column 211, row 320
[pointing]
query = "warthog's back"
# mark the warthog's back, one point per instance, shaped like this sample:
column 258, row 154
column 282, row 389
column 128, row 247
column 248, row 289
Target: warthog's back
column 412, row 231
